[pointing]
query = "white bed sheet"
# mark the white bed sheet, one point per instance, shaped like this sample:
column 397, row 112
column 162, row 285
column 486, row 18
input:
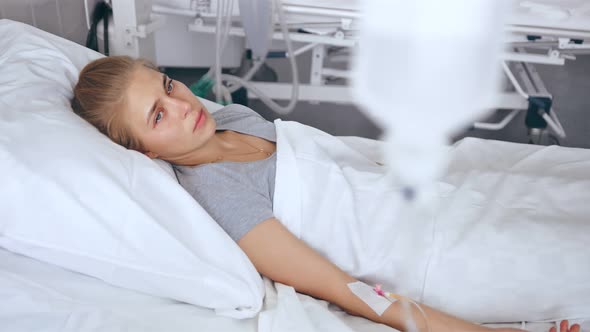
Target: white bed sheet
column 39, row 297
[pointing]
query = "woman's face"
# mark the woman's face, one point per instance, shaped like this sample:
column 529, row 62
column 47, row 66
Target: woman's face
column 168, row 119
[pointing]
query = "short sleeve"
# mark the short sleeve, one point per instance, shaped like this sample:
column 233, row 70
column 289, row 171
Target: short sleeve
column 229, row 199
column 242, row 119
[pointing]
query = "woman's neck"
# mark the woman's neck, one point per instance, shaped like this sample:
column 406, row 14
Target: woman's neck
column 221, row 143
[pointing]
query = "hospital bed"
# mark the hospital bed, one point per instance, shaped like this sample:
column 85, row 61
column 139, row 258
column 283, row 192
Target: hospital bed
column 47, row 286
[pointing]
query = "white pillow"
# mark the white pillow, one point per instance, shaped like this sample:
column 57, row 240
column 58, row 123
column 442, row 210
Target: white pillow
column 71, row 197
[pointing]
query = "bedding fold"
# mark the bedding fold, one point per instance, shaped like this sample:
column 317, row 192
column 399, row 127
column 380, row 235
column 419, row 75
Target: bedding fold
column 504, row 239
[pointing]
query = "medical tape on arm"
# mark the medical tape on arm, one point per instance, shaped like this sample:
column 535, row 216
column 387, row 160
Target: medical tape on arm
column 379, row 301
column 368, row 295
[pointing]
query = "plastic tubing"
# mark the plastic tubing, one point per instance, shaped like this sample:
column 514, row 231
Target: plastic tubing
column 295, row 82
column 224, row 10
column 217, row 63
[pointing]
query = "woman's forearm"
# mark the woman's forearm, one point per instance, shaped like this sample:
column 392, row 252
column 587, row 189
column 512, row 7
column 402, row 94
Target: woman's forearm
column 397, row 314
column 277, row 254
column 402, row 315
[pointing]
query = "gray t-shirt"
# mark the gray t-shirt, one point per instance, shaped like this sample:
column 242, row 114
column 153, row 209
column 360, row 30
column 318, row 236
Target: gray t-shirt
column 238, row 195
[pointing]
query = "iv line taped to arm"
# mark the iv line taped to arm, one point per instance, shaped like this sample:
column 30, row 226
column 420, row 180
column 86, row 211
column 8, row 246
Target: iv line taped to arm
column 375, row 301
column 379, row 300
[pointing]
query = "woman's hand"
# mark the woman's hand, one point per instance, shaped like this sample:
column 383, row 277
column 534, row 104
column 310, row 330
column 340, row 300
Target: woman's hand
column 564, row 327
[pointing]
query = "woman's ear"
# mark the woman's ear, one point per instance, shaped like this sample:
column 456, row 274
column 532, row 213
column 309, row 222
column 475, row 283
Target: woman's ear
column 151, row 154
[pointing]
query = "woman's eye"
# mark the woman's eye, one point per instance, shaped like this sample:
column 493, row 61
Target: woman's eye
column 170, row 87
column 159, row 116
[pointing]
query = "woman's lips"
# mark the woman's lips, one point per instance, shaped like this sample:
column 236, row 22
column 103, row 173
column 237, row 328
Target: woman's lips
column 199, row 121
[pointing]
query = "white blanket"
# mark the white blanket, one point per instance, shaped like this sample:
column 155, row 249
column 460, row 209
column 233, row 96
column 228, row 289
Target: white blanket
column 45, row 298
column 507, row 239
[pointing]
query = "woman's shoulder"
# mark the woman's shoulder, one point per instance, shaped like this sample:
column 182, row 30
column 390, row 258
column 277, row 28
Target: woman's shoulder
column 243, row 119
column 236, row 112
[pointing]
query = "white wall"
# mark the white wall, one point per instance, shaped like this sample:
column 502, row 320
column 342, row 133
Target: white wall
column 65, row 18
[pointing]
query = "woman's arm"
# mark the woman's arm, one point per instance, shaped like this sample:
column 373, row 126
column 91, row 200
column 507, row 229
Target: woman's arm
column 280, row 256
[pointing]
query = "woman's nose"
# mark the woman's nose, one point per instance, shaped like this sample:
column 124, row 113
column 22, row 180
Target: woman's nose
column 179, row 107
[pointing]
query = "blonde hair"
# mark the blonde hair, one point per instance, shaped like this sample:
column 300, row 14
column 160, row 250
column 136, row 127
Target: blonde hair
column 100, row 94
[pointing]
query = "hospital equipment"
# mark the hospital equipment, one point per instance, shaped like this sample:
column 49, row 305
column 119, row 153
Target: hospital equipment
column 399, row 84
column 327, row 29
column 441, row 78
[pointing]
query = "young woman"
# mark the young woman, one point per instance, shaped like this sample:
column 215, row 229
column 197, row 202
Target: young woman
column 227, row 162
